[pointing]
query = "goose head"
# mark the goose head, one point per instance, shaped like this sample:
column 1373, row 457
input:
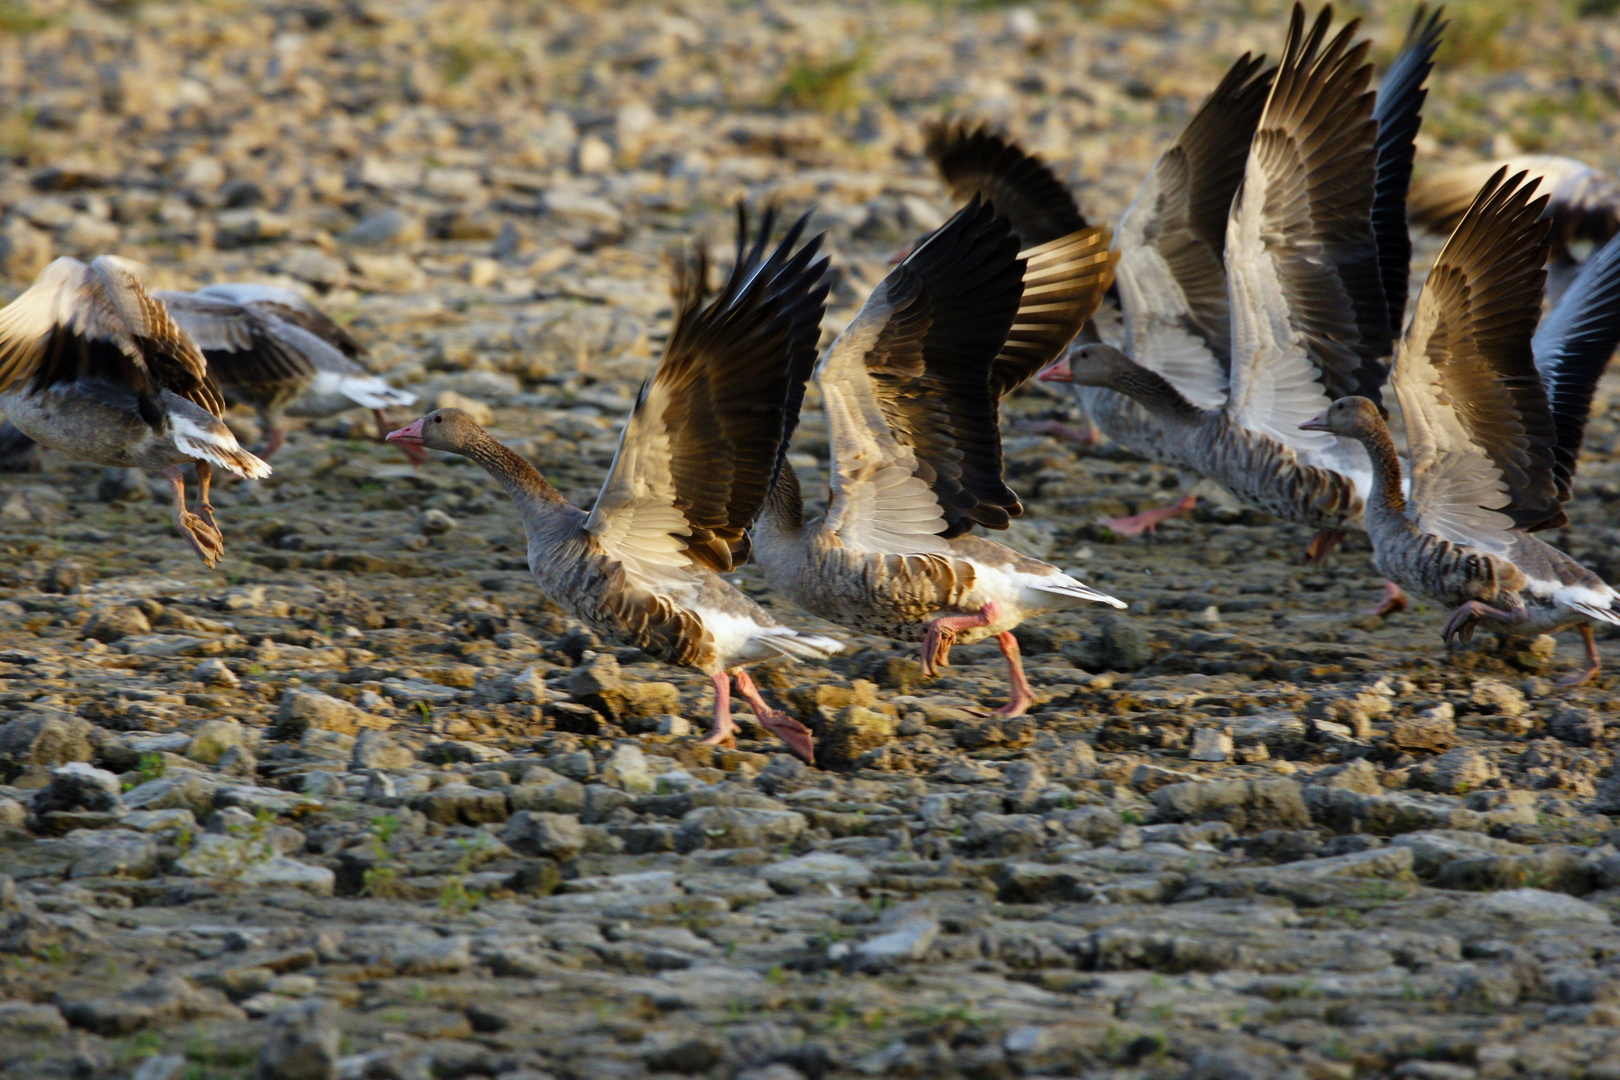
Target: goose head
column 451, row 430
column 1091, row 364
column 1350, row 417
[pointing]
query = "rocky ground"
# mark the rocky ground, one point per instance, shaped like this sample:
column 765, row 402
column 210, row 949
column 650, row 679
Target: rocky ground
column 363, row 805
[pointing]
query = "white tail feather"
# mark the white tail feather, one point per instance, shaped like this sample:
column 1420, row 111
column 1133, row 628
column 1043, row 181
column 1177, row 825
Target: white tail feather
column 373, row 393
column 801, row 646
column 1068, row 586
column 1597, row 614
column 216, row 447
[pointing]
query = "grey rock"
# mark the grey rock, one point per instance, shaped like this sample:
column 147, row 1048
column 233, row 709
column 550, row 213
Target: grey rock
column 1247, row 805
column 216, row 673
column 1496, row 696
column 302, row 709
column 536, row 832
column 105, row 853
column 816, row 872
column 435, row 956
column 557, row 795
column 213, row 738
column 116, row 622
column 35, row 505
column 28, row 1020
column 1539, row 908
column 527, row 686
column 303, row 1044
column 1211, row 744
column 1455, row 772
column 462, row 804
column 909, row 932
column 1125, row 646
column 737, row 827
column 627, row 767
column 81, row 786
column 162, row 998
column 375, row 749
column 45, row 738
column 183, row 790
column 1575, row 725
column 159, row 1067
column 13, row 814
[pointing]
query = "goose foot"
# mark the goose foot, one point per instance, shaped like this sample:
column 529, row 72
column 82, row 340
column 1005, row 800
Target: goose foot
column 778, row 723
column 416, row 455
column 1022, row 696
column 199, row 533
column 1593, row 665
column 1394, row 600
column 1148, row 520
column 1059, row 430
column 941, row 635
column 1466, row 618
column 205, row 505
column 725, row 729
column 1322, row 545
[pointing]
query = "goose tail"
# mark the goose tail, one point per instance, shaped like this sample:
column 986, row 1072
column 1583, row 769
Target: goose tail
column 1064, row 585
column 372, row 393
column 216, row 445
column 800, row 646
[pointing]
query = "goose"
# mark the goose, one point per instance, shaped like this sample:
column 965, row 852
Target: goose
column 1495, row 410
column 277, row 352
column 1309, row 317
column 911, row 389
column 91, row 365
column 702, row 443
column 1169, row 274
column 1583, row 204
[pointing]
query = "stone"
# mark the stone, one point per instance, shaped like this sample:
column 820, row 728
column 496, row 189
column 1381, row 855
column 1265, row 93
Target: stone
column 389, row 226
column 27, row 1020
column 1211, row 744
column 435, row 523
column 435, row 956
column 1246, row 805
column 819, row 871
column 1455, row 772
column 842, row 739
column 163, row 998
column 303, row 1044
column 212, row 739
column 597, row 683
column 182, row 791
column 1539, row 908
column 1575, row 725
column 1496, row 696
column 81, row 786
column 1434, row 730
column 216, row 673
column 536, row 832
column 46, row 739
column 558, row 794
column 627, row 768
column 1124, row 645
column 462, row 804
column 302, row 709
column 910, row 930
column 106, row 853
column 499, row 688
column 737, row 827
column 375, row 749
column 115, row 623
column 35, row 505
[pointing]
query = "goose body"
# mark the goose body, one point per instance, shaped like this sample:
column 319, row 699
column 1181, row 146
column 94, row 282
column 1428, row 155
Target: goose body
column 643, row 565
column 277, row 353
column 1495, row 411
column 92, row 366
column 911, row 389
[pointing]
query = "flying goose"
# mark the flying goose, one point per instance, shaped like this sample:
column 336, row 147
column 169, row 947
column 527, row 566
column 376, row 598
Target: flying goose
column 700, row 449
column 277, row 352
column 1309, row 318
column 1494, row 410
column 93, row 366
column 1169, row 276
column 911, row 389
column 1583, row 204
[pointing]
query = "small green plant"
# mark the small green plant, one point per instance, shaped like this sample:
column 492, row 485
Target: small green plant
column 20, row 19
column 826, row 86
column 454, row 896
column 150, row 767
column 380, row 881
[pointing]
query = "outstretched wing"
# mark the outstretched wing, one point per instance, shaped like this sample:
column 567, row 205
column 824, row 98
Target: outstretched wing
column 1478, row 426
column 703, row 442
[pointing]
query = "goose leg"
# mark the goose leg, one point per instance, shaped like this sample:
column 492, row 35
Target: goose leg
column 725, row 732
column 1022, row 696
column 274, row 438
column 775, row 721
column 203, row 537
column 413, row 453
column 1592, row 663
column 1322, row 545
column 1148, row 520
column 941, row 635
column 205, row 506
column 1394, row 600
column 1465, row 618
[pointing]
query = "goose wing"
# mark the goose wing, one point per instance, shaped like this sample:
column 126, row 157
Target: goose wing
column 1309, row 321
column 289, row 307
column 98, row 322
column 1478, row 426
column 1572, row 347
column 1172, row 279
column 1023, row 188
column 1582, row 202
column 704, row 440
column 247, row 346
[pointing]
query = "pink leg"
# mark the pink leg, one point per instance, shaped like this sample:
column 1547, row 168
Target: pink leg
column 775, row 721
column 203, row 537
column 941, row 635
column 1592, row 663
column 416, row 455
column 1322, row 545
column 273, row 439
column 1465, row 618
column 1022, row 696
column 205, row 505
column 1148, row 520
column 1394, row 600
column 1058, row 430
column 724, row 730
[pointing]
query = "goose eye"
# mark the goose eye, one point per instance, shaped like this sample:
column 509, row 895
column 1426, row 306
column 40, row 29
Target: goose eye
column 438, row 419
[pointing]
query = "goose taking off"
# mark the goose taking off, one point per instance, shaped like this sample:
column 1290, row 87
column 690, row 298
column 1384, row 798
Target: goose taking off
column 93, row 366
column 277, row 352
column 1308, row 314
column 1494, row 411
column 696, row 458
column 911, row 389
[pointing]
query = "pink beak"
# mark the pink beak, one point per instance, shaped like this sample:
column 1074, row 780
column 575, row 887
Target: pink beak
column 1056, row 371
column 1319, row 423
column 410, row 434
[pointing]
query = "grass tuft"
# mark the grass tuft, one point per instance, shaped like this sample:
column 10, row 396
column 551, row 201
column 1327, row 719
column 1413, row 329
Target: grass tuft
column 826, row 86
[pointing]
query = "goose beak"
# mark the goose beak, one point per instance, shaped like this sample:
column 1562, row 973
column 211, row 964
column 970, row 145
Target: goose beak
column 1318, row 424
column 410, row 434
column 1057, row 371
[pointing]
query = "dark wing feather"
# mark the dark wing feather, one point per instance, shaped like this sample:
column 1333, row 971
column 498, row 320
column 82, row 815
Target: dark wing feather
column 245, row 346
column 978, row 161
column 1399, row 113
column 1064, row 281
column 1572, row 348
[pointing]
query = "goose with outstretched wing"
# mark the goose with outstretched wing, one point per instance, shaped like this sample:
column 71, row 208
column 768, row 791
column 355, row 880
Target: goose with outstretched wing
column 92, row 365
